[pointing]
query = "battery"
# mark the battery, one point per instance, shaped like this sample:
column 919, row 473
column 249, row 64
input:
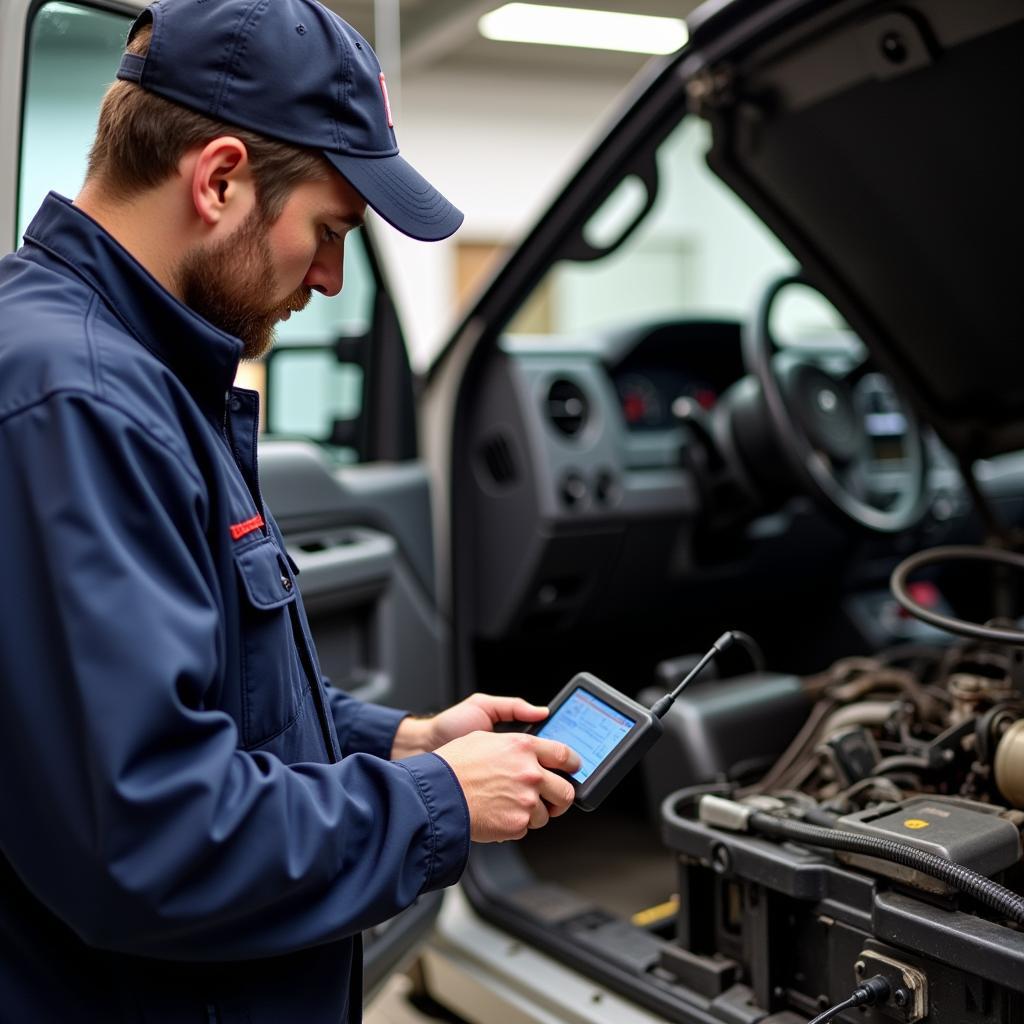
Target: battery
column 964, row 831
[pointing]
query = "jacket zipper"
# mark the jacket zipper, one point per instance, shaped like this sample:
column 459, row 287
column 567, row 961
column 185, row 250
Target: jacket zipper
column 314, row 680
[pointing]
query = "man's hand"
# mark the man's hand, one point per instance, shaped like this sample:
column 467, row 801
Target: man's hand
column 477, row 713
column 508, row 782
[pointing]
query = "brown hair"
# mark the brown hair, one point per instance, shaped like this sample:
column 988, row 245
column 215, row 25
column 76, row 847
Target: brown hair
column 141, row 138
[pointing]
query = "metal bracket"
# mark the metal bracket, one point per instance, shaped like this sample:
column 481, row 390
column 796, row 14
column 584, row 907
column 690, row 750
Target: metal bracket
column 909, row 999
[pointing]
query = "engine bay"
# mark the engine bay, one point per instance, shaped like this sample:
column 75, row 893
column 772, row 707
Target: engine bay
column 796, row 886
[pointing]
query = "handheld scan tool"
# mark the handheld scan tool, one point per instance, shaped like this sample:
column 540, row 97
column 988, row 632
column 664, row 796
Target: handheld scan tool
column 610, row 731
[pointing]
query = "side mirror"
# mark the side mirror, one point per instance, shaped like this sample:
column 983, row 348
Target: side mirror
column 316, row 391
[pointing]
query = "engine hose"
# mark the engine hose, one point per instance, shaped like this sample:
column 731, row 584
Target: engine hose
column 997, row 897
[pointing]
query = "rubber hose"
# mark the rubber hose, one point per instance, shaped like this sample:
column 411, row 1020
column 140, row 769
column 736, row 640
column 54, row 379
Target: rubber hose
column 984, row 890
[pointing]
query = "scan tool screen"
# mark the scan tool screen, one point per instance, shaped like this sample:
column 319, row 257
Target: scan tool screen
column 592, row 728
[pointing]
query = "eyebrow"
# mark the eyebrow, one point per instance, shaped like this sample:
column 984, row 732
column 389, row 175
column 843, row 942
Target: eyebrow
column 354, row 220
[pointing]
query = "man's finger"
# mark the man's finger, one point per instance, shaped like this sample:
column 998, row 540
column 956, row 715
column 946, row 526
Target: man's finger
column 510, row 709
column 539, row 815
column 557, row 793
column 552, row 754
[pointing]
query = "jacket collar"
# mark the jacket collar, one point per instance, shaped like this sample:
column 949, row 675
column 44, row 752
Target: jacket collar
column 204, row 357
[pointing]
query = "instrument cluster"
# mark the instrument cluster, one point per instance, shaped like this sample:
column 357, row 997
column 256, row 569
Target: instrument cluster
column 647, row 397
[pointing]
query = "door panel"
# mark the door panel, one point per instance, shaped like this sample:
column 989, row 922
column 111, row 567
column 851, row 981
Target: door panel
column 361, row 539
column 393, row 944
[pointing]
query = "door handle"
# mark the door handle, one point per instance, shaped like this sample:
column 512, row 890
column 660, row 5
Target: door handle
column 345, row 568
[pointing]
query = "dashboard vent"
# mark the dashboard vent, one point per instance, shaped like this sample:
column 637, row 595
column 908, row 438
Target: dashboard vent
column 497, row 454
column 567, row 407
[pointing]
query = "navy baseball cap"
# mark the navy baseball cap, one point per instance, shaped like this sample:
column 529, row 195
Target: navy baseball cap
column 291, row 70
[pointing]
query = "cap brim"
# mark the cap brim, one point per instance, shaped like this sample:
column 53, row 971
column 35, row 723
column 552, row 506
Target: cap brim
column 400, row 194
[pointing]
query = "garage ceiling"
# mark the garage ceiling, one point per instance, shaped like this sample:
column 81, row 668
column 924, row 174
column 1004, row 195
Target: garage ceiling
column 444, row 32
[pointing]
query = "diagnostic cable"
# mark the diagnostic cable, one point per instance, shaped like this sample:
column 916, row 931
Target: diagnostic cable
column 874, row 990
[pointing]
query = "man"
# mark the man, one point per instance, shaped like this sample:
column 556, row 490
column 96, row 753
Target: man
column 194, row 827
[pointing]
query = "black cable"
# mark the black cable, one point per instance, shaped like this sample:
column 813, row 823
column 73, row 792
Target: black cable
column 874, row 990
column 751, row 646
column 993, row 895
column 833, row 1011
column 723, row 643
column 961, row 627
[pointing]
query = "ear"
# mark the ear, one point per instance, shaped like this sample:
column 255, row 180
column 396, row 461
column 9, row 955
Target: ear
column 222, row 185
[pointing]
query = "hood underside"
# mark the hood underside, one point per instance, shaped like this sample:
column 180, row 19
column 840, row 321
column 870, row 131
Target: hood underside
column 884, row 143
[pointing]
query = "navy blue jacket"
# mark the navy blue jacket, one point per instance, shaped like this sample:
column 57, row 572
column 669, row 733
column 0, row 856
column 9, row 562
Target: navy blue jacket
column 189, row 830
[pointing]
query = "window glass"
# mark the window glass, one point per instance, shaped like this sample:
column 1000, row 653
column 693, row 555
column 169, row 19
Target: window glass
column 313, row 394
column 700, row 252
column 801, row 317
column 73, row 55
column 347, row 314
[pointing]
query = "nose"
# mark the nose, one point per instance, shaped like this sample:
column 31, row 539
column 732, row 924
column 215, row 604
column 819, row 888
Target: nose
column 326, row 272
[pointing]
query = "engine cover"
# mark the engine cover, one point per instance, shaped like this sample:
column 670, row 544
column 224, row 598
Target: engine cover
column 969, row 833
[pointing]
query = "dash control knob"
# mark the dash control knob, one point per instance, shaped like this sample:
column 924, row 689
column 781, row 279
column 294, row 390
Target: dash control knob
column 573, row 490
column 606, row 488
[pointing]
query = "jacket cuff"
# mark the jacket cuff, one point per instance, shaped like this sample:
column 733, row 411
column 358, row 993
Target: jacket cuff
column 372, row 728
column 449, row 818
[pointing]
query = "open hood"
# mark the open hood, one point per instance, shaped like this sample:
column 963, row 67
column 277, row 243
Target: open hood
column 884, row 143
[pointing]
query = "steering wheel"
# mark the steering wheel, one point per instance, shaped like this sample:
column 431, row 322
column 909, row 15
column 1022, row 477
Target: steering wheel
column 813, row 418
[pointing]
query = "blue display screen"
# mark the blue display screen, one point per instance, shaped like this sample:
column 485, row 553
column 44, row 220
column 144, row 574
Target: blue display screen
column 590, row 726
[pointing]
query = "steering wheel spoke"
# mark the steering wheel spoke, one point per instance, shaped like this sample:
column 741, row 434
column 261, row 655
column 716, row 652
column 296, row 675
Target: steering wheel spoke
column 853, row 479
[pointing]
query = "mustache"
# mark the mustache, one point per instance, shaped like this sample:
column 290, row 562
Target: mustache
column 296, row 302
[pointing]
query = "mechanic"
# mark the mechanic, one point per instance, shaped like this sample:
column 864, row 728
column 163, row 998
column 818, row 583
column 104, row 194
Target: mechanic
column 195, row 825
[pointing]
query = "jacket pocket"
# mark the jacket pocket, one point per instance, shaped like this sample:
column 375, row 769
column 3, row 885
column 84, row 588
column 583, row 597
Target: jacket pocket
column 273, row 682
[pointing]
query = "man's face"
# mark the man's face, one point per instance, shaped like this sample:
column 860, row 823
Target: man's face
column 265, row 271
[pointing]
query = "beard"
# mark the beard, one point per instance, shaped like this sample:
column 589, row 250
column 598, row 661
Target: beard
column 225, row 283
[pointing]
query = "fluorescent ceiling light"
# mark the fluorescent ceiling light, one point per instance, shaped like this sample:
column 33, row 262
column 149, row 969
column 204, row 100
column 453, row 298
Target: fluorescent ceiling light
column 572, row 26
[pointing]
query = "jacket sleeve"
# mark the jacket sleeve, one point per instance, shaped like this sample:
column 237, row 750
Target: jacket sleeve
column 362, row 727
column 129, row 809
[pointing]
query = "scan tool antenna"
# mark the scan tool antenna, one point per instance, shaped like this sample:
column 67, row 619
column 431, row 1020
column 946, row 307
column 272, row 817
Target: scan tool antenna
column 660, row 707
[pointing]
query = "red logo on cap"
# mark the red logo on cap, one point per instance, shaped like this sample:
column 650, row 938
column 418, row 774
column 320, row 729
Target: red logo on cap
column 387, row 101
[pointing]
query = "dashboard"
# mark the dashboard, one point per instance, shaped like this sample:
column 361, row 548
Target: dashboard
column 696, row 361
column 589, row 500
